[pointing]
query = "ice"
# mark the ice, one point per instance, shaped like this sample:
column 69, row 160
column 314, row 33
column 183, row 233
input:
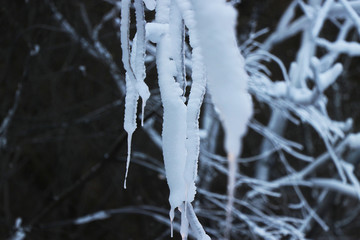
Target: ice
column 321, row 17
column 134, row 63
column 139, row 67
column 150, row 4
column 174, row 117
column 131, row 94
column 92, row 217
column 130, row 117
column 154, row 31
column 195, row 224
column 227, row 78
column 227, row 81
column 354, row 141
column 328, row 78
column 195, row 101
column 20, row 233
column 177, row 35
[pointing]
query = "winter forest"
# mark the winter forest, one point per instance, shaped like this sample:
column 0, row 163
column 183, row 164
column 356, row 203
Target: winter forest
column 179, row 119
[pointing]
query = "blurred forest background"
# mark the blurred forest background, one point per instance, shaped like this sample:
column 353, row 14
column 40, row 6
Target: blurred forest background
column 62, row 142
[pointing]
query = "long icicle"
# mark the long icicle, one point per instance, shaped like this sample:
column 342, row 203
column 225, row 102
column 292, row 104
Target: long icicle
column 196, row 97
column 176, row 33
column 195, row 100
column 227, row 80
column 174, row 117
column 134, row 63
column 131, row 92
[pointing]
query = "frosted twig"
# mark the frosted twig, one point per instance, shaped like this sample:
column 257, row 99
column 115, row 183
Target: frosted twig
column 352, row 13
column 340, row 46
column 20, row 231
column 9, row 116
column 300, row 175
column 321, row 17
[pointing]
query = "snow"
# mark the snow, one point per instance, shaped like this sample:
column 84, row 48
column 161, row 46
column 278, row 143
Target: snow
column 82, row 69
column 154, row 31
column 340, row 46
column 174, row 129
column 131, row 94
column 20, row 233
column 354, row 141
column 139, row 65
column 174, row 116
column 195, row 224
column 196, row 96
column 129, row 118
column 35, row 50
column 227, row 81
column 177, row 35
column 180, row 134
column 353, row 15
column 328, row 78
column 150, row 4
column 321, row 17
column 227, row 78
column 278, row 89
column 92, row 217
column 217, row 61
column 134, row 63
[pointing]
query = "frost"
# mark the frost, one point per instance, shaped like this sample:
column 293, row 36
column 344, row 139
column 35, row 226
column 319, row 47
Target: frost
column 20, row 233
column 279, row 89
column 92, row 217
column 227, row 80
column 227, row 84
column 354, row 141
column 341, row 46
column 131, row 94
column 35, row 50
column 150, row 4
column 133, row 60
column 195, row 101
column 154, row 31
column 82, row 69
column 174, row 125
column 328, row 78
column 212, row 59
column 139, row 58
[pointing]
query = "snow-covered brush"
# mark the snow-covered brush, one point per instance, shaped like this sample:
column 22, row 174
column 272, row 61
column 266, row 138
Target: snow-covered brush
column 215, row 63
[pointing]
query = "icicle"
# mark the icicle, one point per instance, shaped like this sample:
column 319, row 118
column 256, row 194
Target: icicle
column 184, row 228
column 174, row 117
column 130, row 118
column 195, row 101
column 171, row 215
column 140, row 72
column 174, row 125
column 134, row 64
column 131, row 93
column 231, row 193
column 193, row 111
column 227, row 79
